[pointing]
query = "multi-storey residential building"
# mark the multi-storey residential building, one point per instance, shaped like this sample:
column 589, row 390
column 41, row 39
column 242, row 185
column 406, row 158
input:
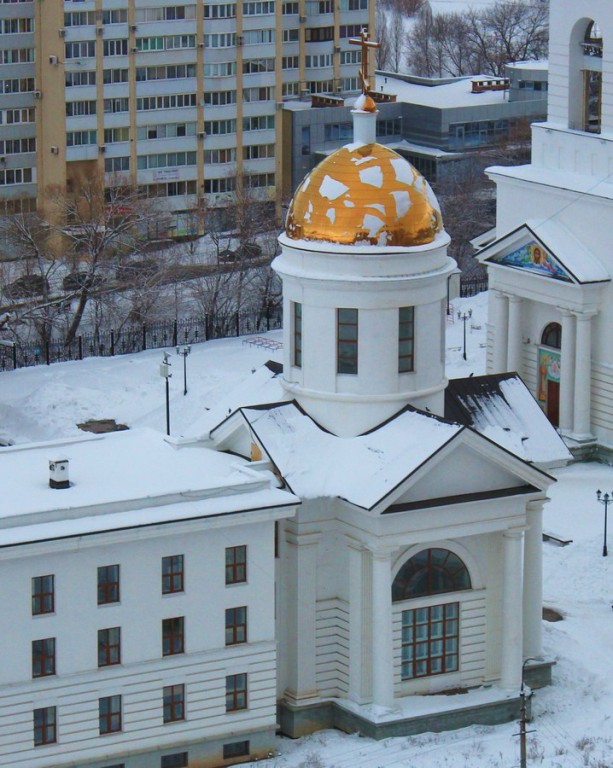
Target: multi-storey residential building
column 181, row 98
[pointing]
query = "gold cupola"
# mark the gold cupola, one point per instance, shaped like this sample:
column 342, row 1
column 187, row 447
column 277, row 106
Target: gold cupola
column 364, row 193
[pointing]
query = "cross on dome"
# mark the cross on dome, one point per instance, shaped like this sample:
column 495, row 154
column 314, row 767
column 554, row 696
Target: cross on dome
column 365, row 43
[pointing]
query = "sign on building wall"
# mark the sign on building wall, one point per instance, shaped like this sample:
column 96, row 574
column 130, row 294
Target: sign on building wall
column 549, row 370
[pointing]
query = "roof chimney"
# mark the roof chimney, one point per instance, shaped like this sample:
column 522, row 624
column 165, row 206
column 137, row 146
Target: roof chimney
column 58, row 474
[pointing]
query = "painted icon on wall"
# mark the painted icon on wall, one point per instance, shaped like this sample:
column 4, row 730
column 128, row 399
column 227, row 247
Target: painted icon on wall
column 535, row 258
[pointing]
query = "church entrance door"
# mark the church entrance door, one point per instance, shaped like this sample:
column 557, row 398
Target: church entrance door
column 553, row 402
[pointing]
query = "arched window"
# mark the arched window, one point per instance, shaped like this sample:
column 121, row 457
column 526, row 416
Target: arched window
column 430, row 572
column 552, row 336
column 592, row 79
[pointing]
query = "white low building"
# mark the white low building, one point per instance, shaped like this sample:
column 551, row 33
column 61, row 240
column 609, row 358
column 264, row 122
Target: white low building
column 550, row 264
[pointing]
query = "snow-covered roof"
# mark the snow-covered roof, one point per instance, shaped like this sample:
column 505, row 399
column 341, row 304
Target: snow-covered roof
column 541, row 64
column 457, row 93
column 501, row 408
column 577, row 261
column 125, row 472
column 362, row 469
column 580, row 183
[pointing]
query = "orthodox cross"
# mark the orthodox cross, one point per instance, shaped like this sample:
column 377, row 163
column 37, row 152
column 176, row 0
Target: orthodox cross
column 365, row 43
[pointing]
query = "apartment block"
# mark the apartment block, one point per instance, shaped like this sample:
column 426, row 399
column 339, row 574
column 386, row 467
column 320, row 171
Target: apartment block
column 182, row 99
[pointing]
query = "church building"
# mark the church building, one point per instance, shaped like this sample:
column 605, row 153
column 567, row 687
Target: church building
column 550, row 264
column 356, row 541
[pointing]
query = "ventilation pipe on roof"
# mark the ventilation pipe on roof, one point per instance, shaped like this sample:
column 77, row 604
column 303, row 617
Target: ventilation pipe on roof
column 58, row 474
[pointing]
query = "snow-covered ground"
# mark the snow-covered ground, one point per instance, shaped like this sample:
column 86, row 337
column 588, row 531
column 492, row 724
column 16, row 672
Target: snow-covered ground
column 573, row 723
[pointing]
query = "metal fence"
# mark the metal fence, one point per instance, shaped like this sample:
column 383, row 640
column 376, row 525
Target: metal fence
column 471, row 286
column 136, row 338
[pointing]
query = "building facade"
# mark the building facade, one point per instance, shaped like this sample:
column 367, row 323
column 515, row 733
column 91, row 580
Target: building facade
column 181, row 99
column 550, row 264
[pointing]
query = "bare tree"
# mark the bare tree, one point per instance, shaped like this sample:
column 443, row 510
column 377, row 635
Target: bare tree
column 479, row 41
column 76, row 246
column 391, row 36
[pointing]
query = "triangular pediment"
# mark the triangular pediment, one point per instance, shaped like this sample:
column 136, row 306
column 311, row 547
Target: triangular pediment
column 545, row 250
column 473, row 468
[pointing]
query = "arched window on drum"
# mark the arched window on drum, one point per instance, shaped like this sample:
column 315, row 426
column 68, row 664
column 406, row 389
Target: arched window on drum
column 430, row 641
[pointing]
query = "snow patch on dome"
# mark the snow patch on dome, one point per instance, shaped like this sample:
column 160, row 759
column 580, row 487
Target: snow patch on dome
column 372, row 176
column 348, row 204
column 373, row 224
column 403, row 202
column 331, row 214
column 331, row 188
column 377, row 206
column 361, row 160
column 307, row 215
column 305, row 183
column 354, row 146
column 404, row 172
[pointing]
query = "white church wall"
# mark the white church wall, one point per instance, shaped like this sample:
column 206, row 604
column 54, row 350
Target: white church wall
column 143, row 672
column 332, row 647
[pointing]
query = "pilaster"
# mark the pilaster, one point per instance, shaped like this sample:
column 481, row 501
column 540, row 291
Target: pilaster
column 512, row 629
column 501, row 332
column 514, row 334
column 381, row 655
column 567, row 372
column 583, row 377
column 533, row 581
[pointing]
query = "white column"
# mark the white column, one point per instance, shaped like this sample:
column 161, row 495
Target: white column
column 533, row 581
column 514, row 337
column 583, row 377
column 567, row 372
column 501, row 332
column 360, row 622
column 301, row 615
column 512, row 631
column 382, row 656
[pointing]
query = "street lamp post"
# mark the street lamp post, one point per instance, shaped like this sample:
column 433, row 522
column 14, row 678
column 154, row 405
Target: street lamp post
column 166, row 374
column 606, row 499
column 464, row 316
column 184, row 351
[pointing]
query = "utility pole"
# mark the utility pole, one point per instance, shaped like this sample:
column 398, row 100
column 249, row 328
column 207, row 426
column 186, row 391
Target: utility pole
column 523, row 718
column 166, row 374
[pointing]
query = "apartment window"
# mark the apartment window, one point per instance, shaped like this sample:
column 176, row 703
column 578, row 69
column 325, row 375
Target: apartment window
column 297, row 334
column 17, row 85
column 220, row 40
column 174, row 42
column 110, row 76
column 406, row 340
column 235, row 749
column 252, row 66
column 116, row 135
column 15, row 116
column 336, row 131
column 112, row 106
column 172, row 101
column 290, row 62
column 17, row 146
column 220, row 11
column 290, row 8
column 219, row 98
column 236, row 564
column 263, row 93
column 351, row 57
column 80, row 108
column 220, row 69
column 354, row 5
column 290, row 89
column 174, row 703
column 170, row 189
column 236, row 625
column 116, row 16
column 258, row 36
column 219, row 156
column 172, row 574
column 352, row 30
column 17, row 56
column 108, row 584
column 116, row 47
column 259, row 123
column 73, row 79
column 109, row 714
column 290, row 35
column 178, row 760
column 173, row 636
column 258, row 151
column 117, row 164
column 15, row 176
column 45, row 726
column 109, row 646
column 16, row 26
column 219, row 127
column 236, row 692
column 166, row 160
column 258, row 8
column 43, row 657
column 43, row 595
column 430, row 641
column 318, row 61
column 165, row 131
column 216, row 186
column 318, row 34
column 347, row 340
column 84, row 49
column 168, row 72
column 79, row 18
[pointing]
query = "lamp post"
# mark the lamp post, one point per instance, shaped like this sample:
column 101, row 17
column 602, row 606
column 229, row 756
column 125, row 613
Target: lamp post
column 184, row 351
column 464, row 316
column 166, row 374
column 606, row 499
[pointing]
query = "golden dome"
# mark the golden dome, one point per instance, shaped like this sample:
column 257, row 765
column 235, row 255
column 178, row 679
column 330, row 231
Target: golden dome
column 364, row 193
